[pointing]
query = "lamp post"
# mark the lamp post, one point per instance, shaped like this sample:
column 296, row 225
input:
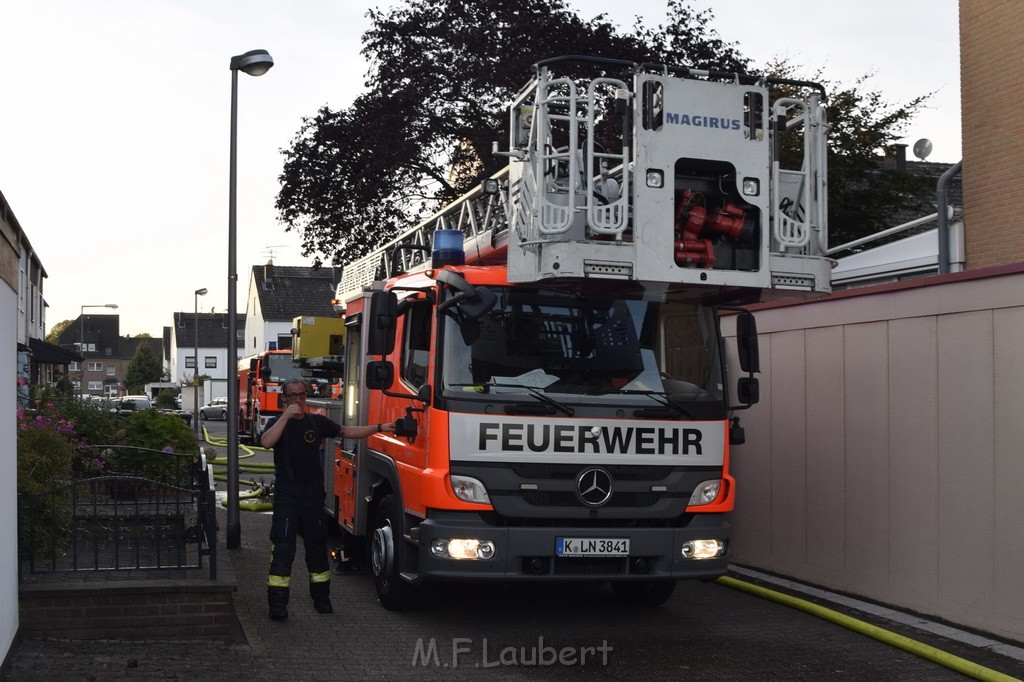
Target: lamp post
column 254, row 63
column 81, row 341
column 195, row 374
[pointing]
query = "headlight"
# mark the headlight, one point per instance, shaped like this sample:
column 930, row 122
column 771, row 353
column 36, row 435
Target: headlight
column 462, row 548
column 703, row 549
column 705, row 493
column 469, row 489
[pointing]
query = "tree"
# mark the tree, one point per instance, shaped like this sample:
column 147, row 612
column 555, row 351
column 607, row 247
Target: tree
column 56, row 330
column 144, row 368
column 441, row 74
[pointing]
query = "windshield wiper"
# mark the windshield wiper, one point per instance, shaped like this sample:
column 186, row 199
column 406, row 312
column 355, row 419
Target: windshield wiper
column 539, row 395
column 544, row 398
column 535, row 392
column 661, row 398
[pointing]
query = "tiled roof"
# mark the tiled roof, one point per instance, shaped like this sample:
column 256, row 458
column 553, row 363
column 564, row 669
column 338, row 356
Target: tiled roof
column 102, row 330
column 129, row 346
column 213, row 329
column 285, row 292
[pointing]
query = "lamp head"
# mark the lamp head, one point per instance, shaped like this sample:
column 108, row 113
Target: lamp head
column 253, row 62
column 201, row 292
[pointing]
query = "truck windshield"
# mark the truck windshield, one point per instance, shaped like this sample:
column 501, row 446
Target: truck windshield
column 282, row 368
column 623, row 350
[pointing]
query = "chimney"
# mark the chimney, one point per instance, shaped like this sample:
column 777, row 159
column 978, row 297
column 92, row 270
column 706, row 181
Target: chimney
column 901, row 158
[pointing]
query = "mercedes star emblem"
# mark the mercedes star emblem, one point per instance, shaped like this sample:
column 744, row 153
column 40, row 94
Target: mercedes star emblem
column 594, row 487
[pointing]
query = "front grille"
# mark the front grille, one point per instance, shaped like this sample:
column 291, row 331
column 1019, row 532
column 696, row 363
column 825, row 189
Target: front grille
column 555, row 498
column 561, row 472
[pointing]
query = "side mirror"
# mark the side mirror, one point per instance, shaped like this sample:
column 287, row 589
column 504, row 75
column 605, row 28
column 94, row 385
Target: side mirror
column 383, row 313
column 265, row 374
column 406, row 427
column 748, row 390
column 746, row 342
column 380, row 374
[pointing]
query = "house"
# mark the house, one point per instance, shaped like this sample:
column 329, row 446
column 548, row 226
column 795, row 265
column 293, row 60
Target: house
column 277, row 295
column 97, row 339
column 206, row 333
column 21, row 299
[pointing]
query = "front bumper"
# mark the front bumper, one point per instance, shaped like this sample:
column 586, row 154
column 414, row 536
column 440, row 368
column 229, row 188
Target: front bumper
column 528, row 552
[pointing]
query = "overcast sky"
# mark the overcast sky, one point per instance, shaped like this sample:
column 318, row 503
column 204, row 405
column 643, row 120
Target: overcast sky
column 115, row 117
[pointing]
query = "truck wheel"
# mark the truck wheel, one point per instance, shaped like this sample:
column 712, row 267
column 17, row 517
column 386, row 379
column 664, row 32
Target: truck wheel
column 386, row 551
column 645, row 593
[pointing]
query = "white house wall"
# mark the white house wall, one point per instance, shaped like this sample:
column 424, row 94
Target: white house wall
column 8, row 471
column 884, row 459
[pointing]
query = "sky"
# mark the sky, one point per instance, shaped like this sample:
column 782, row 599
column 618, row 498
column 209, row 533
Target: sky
column 115, row 122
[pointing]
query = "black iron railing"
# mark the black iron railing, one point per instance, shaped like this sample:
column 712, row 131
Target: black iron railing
column 149, row 510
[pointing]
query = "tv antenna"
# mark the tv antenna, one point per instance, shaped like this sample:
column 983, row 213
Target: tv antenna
column 922, row 148
column 269, row 250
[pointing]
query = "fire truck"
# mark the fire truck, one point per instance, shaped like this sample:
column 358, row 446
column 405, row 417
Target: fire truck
column 550, row 344
column 260, row 380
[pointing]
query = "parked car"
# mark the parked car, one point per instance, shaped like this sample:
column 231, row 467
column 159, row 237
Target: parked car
column 215, row 409
column 177, row 401
column 125, row 405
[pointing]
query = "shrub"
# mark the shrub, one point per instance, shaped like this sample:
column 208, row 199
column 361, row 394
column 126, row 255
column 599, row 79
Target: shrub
column 160, row 431
column 47, row 449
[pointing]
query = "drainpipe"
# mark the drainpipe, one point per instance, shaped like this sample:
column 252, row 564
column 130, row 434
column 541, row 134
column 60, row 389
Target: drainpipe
column 942, row 207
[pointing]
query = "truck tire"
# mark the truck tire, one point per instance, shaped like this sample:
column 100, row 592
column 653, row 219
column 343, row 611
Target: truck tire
column 386, row 551
column 644, row 593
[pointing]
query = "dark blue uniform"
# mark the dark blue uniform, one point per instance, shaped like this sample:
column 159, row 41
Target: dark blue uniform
column 299, row 510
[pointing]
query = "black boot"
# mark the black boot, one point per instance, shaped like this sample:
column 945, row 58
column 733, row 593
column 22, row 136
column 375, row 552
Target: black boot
column 277, row 598
column 321, row 594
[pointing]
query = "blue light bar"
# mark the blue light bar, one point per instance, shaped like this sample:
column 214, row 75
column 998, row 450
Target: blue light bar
column 447, row 248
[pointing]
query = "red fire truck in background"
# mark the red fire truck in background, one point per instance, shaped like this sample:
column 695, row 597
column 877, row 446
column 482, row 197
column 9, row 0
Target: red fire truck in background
column 260, row 378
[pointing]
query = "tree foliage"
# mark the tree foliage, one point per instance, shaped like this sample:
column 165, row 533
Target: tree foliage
column 865, row 196
column 56, row 330
column 144, row 368
column 441, row 73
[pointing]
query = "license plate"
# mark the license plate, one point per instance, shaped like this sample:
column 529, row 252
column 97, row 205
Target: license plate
column 570, row 547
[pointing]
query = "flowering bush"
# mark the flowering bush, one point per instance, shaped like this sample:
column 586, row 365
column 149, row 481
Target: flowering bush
column 47, row 449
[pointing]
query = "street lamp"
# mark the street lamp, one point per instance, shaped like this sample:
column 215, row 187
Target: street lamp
column 195, row 374
column 254, row 63
column 81, row 341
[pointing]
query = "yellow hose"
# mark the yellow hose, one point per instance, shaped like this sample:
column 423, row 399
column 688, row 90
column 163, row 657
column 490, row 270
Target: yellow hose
column 978, row 672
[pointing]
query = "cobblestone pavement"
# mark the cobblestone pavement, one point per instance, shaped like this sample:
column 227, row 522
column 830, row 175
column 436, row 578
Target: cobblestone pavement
column 706, row 632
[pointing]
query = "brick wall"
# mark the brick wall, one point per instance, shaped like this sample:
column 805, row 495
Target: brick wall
column 132, row 610
column 992, row 101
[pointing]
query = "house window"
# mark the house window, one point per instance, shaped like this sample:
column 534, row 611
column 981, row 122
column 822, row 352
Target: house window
column 110, row 370
column 190, row 361
column 109, row 351
column 95, row 366
column 91, row 347
column 95, row 385
column 210, row 361
column 72, row 366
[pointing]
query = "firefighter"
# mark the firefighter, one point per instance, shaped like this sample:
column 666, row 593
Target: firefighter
column 296, row 437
